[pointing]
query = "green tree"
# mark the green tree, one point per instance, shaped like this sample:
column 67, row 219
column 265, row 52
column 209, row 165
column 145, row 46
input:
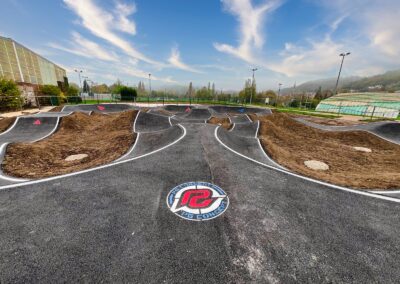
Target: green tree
column 10, row 95
column 248, row 90
column 100, row 89
column 49, row 95
column 128, row 93
column 73, row 95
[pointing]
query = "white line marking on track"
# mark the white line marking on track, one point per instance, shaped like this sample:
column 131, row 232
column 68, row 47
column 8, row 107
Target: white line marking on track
column 369, row 194
column 130, row 150
column 134, row 123
column 96, row 168
column 232, row 127
column 169, row 119
column 2, row 153
column 258, row 127
column 3, row 148
column 248, row 117
column 12, row 126
column 264, row 152
column 385, row 191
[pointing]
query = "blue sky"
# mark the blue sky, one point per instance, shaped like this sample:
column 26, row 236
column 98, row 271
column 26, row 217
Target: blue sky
column 179, row 41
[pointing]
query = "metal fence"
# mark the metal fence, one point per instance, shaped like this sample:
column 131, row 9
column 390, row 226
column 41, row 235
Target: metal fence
column 377, row 109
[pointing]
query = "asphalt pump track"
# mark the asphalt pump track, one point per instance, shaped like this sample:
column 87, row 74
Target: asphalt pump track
column 112, row 223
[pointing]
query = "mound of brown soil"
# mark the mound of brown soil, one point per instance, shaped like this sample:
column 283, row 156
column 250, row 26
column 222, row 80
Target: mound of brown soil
column 104, row 138
column 291, row 143
column 5, row 123
column 224, row 121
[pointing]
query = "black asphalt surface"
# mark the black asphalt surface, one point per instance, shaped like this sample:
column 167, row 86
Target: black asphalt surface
column 239, row 110
column 246, row 129
column 52, row 114
column 241, row 118
column 387, row 130
column 147, row 122
column 177, row 108
column 198, row 114
column 113, row 224
column 102, row 108
column 26, row 129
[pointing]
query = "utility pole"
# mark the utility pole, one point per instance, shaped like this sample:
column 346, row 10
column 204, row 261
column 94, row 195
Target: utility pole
column 253, row 84
column 80, row 82
column 343, row 55
column 148, row 97
column 279, row 93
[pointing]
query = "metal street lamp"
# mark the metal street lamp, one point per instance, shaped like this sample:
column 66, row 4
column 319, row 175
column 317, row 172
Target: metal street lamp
column 279, row 93
column 343, row 55
column 148, row 98
column 80, row 82
column 252, row 84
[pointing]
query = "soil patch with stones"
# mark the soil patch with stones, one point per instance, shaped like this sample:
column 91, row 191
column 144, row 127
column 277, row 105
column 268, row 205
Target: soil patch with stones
column 5, row 123
column 104, row 138
column 224, row 121
column 290, row 143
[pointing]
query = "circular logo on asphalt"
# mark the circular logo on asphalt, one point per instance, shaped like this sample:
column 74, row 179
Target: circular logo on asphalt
column 197, row 201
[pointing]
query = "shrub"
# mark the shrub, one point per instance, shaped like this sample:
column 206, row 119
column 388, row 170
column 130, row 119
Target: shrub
column 73, row 95
column 49, row 95
column 128, row 93
column 10, row 95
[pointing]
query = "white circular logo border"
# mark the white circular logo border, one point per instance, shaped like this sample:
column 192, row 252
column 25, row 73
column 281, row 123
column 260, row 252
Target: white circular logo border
column 190, row 184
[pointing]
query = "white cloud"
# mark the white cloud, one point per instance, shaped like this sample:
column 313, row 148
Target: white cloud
column 251, row 20
column 320, row 57
column 123, row 11
column 128, row 70
column 86, row 48
column 102, row 24
column 175, row 60
column 377, row 20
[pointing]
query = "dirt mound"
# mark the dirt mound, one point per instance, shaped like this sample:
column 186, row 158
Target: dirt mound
column 104, row 138
column 5, row 123
column 224, row 121
column 291, row 143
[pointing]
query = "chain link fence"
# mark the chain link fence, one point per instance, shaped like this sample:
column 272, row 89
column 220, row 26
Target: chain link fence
column 373, row 109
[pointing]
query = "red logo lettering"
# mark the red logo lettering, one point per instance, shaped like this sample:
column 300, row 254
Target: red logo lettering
column 197, row 198
column 101, row 108
column 37, row 122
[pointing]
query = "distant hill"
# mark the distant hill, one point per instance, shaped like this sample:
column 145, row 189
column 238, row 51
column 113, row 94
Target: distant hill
column 387, row 81
column 325, row 84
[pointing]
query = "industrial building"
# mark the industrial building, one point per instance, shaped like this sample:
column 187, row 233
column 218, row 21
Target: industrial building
column 26, row 67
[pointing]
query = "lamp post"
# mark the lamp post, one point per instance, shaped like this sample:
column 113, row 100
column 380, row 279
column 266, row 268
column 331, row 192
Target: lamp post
column 279, row 93
column 252, row 84
column 148, row 97
column 343, row 55
column 80, row 82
